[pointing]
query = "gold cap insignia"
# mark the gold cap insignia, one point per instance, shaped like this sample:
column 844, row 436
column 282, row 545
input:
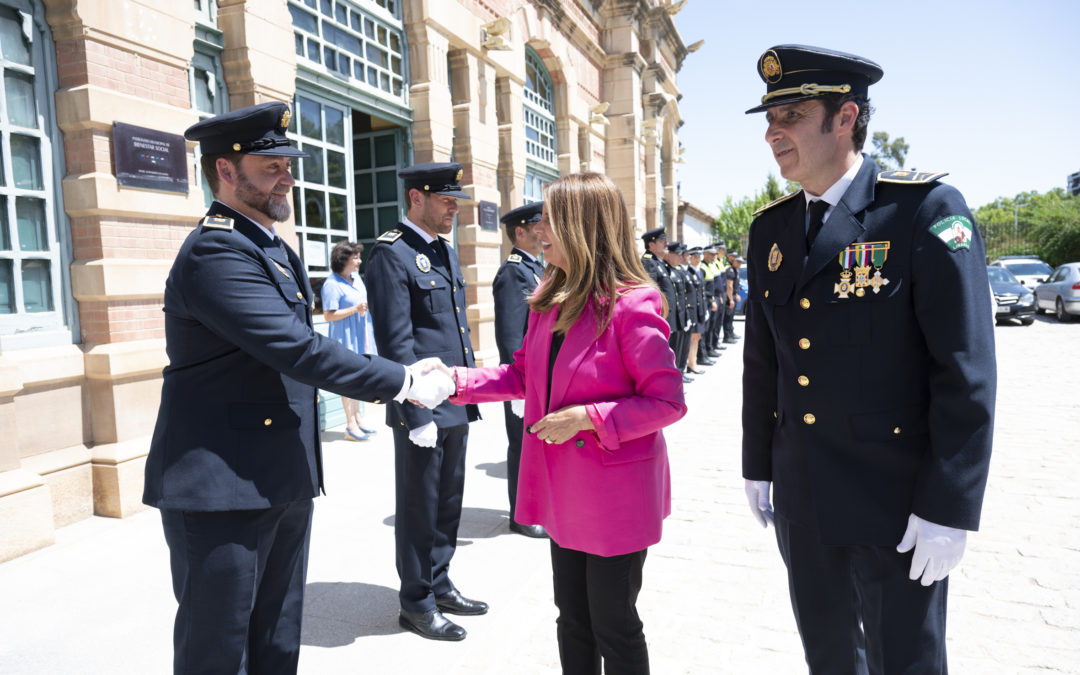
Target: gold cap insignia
column 236, row 147
column 422, row 263
column 285, row 117
column 775, row 258
column 460, row 173
column 770, row 67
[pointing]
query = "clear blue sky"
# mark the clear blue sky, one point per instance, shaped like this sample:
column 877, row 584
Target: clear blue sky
column 988, row 91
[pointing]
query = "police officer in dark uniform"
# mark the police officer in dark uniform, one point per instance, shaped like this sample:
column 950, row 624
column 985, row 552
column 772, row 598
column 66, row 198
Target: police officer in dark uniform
column 416, row 295
column 721, row 296
column 710, row 272
column 653, row 260
column 680, row 333
column 869, row 377
column 235, row 459
column 515, row 281
column 703, row 286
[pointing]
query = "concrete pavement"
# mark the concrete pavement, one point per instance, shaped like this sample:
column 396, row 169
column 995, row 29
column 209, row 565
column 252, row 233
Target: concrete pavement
column 714, row 599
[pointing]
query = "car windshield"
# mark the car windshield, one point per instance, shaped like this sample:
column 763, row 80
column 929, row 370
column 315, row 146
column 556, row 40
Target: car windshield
column 1001, row 275
column 1035, row 267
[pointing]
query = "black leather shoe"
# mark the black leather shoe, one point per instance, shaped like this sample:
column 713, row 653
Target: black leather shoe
column 455, row 603
column 705, row 361
column 534, row 531
column 729, row 341
column 714, row 353
column 687, row 380
column 694, row 372
column 431, row 625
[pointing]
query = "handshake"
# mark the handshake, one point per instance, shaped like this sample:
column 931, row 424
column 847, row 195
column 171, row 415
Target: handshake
column 432, row 383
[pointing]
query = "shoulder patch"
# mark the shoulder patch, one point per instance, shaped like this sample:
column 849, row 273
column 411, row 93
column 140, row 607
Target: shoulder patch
column 513, row 257
column 778, row 201
column 216, row 223
column 911, row 177
column 953, row 231
column 390, row 236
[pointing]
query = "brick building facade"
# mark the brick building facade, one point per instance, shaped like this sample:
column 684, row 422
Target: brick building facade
column 517, row 91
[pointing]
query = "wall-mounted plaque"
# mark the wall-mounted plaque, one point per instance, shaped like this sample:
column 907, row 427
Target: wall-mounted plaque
column 489, row 216
column 146, row 158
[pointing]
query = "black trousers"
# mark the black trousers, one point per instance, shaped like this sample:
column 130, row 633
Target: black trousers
column 515, row 427
column 716, row 321
column 429, row 484
column 856, row 609
column 598, row 619
column 729, row 322
column 238, row 577
column 679, row 341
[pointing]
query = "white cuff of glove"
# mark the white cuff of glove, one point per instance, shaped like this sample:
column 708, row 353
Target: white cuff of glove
column 425, row 436
column 938, row 549
column 757, row 493
column 517, row 407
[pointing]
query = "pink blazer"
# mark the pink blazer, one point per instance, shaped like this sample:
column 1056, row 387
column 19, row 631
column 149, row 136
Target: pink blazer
column 606, row 491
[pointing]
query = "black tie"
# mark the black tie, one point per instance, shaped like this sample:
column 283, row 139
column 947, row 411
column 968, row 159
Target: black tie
column 440, row 248
column 818, row 207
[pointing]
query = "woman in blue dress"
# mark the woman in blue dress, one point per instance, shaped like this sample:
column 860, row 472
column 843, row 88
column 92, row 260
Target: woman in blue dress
column 344, row 303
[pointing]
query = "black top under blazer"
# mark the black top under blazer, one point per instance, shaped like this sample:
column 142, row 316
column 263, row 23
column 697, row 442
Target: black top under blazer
column 862, row 410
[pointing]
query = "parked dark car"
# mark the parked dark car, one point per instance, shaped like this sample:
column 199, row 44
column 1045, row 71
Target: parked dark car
column 744, row 290
column 1061, row 293
column 1028, row 269
column 1013, row 299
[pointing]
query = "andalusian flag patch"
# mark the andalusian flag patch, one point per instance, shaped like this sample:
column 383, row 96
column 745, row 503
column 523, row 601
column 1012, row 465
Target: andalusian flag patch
column 955, row 231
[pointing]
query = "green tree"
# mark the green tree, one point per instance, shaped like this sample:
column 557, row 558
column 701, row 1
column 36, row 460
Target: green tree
column 733, row 223
column 1047, row 225
column 888, row 154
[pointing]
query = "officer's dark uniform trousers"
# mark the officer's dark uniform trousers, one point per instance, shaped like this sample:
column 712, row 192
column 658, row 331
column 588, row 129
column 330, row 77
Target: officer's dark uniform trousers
column 235, row 458
column 416, row 295
column 680, row 333
column 865, row 408
column 515, row 280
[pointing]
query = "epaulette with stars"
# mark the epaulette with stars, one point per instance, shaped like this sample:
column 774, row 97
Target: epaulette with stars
column 778, row 201
column 216, row 223
column 390, row 236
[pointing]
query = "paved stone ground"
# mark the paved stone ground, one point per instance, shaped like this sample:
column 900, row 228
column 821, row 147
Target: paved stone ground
column 714, row 600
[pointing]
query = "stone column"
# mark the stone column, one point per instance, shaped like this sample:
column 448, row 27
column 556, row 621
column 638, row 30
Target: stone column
column 476, row 148
column 509, row 102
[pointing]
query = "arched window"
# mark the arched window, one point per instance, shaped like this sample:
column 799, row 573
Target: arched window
column 539, row 112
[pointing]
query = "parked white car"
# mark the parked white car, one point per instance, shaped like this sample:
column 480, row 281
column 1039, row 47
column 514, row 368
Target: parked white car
column 1028, row 269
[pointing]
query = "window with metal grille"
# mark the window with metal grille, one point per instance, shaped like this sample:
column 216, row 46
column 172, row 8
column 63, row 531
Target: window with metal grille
column 32, row 258
column 539, row 112
column 360, row 41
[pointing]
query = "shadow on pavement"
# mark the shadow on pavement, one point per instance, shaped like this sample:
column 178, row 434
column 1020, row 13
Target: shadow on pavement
column 475, row 524
column 337, row 613
column 493, row 469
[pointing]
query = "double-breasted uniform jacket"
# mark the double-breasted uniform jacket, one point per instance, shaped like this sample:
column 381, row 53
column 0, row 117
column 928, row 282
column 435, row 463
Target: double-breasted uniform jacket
column 515, row 281
column 658, row 272
column 238, row 426
column 682, row 316
column 866, row 403
column 418, row 308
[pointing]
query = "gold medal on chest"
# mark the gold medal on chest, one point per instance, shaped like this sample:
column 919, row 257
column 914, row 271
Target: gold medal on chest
column 844, row 287
column 422, row 263
column 775, row 258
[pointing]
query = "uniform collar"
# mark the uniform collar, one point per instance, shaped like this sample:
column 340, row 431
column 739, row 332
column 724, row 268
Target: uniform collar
column 836, row 190
column 270, row 232
column 525, row 254
column 416, row 228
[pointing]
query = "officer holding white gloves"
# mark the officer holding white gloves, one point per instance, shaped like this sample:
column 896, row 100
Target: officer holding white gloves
column 869, row 375
column 416, row 295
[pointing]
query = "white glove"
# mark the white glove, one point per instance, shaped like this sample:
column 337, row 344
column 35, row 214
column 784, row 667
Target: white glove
column 517, row 406
column 430, row 388
column 425, row 436
column 757, row 493
column 938, row 549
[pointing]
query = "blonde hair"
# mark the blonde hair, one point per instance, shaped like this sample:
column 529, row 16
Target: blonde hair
column 589, row 219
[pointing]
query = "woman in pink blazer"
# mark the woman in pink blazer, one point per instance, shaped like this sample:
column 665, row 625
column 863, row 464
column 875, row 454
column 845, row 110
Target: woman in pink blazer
column 599, row 383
